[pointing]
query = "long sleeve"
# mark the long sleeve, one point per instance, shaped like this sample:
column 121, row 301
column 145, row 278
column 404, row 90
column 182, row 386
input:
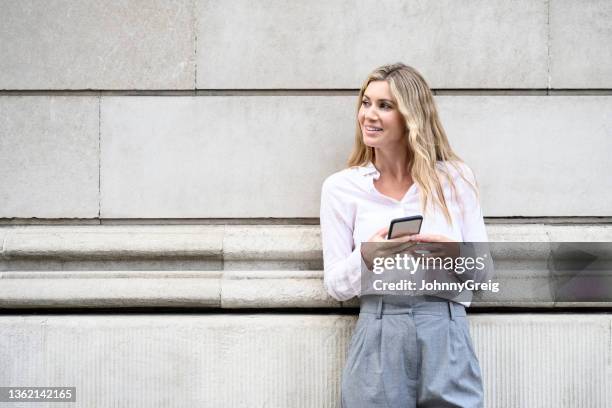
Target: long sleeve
column 474, row 233
column 472, row 223
column 341, row 260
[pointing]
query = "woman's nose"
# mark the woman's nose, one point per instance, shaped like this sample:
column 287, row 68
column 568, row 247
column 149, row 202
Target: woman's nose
column 370, row 113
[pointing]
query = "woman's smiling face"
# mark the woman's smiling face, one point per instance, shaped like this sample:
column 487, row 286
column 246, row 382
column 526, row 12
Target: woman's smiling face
column 382, row 124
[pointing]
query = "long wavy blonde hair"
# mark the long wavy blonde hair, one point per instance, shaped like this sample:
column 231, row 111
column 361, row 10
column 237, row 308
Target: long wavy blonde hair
column 425, row 136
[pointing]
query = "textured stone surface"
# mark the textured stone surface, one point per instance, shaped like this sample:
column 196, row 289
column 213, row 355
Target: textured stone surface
column 279, row 360
column 580, row 233
column 200, row 360
column 236, row 242
column 545, row 360
column 580, row 35
column 522, row 283
column 3, row 234
column 321, row 44
column 276, row 289
column 115, row 242
column 129, row 289
column 265, row 242
column 156, row 45
column 49, row 156
column 174, row 157
column 518, row 232
column 217, row 157
column 535, row 155
column 143, row 44
column 40, row 266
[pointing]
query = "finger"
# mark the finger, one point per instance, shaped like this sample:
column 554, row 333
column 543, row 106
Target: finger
column 388, row 251
column 417, row 237
column 408, row 245
column 383, row 232
column 425, row 238
column 394, row 248
column 403, row 238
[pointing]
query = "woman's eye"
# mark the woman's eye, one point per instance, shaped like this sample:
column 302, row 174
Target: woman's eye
column 364, row 102
column 385, row 106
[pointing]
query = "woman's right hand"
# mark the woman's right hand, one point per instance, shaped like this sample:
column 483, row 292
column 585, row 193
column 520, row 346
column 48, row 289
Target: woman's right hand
column 386, row 247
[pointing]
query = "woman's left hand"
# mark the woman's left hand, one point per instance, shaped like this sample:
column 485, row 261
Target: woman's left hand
column 431, row 238
column 436, row 245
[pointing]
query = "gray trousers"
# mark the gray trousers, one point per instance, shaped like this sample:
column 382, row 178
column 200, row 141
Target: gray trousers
column 411, row 352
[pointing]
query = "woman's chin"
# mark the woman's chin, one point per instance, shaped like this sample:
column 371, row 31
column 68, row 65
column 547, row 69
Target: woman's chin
column 371, row 141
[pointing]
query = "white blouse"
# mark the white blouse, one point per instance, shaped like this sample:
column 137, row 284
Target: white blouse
column 352, row 210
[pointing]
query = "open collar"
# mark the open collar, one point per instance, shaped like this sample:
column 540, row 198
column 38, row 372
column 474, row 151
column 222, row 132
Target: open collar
column 369, row 170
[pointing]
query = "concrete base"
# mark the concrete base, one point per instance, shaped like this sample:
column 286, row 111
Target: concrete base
column 280, row 360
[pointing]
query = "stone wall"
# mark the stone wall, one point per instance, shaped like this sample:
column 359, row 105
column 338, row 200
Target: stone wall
column 210, row 120
column 267, row 89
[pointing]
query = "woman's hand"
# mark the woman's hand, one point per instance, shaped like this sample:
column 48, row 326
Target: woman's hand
column 430, row 238
column 389, row 248
column 446, row 248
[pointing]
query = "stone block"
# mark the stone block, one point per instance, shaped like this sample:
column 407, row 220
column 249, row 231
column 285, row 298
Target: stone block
column 110, row 291
column 272, row 242
column 518, row 232
column 321, row 44
column 49, row 156
column 580, row 233
column 216, row 360
column 274, row 289
column 520, row 148
column 97, row 45
column 115, row 242
column 221, row 156
column 285, row 360
column 580, row 52
column 535, row 155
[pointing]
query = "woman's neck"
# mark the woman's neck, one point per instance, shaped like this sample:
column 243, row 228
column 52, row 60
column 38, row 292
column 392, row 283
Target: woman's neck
column 393, row 164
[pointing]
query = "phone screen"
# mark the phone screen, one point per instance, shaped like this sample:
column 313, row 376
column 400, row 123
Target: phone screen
column 405, row 226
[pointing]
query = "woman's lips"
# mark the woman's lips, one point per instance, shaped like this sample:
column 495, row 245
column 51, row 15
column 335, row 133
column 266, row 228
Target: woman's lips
column 372, row 130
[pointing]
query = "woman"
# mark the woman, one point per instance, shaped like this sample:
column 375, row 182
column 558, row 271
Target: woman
column 405, row 351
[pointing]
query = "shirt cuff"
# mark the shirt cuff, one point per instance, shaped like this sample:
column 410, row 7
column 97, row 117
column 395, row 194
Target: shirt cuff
column 354, row 264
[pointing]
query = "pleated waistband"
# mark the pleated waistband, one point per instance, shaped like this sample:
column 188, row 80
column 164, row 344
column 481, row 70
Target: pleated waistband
column 417, row 305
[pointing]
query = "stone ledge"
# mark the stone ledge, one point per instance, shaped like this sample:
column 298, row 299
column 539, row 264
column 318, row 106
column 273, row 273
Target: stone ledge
column 300, row 243
column 262, row 279
column 112, row 242
column 274, row 289
column 211, row 289
column 149, row 292
column 230, row 290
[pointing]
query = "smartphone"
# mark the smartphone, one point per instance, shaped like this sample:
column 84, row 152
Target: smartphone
column 405, row 226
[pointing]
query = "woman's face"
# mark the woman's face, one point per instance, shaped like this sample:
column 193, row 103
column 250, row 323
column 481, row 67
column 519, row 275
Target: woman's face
column 382, row 124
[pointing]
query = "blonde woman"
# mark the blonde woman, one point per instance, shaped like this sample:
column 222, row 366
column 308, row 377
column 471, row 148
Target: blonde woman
column 405, row 351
